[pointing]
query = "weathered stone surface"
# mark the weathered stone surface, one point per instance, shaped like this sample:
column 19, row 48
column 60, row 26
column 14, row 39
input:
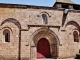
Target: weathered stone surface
column 27, row 28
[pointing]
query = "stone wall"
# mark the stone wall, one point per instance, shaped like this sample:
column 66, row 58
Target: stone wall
column 23, row 23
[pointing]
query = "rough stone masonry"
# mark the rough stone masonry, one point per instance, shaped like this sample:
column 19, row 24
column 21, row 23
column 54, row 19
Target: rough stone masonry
column 39, row 32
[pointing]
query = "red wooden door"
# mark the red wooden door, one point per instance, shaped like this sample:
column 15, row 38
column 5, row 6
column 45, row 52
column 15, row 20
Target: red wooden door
column 43, row 48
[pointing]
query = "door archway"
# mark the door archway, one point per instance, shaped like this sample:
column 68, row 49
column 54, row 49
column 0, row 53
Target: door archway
column 43, row 48
column 50, row 38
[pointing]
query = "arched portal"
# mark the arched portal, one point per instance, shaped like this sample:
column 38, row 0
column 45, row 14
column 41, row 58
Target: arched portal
column 49, row 39
column 43, row 48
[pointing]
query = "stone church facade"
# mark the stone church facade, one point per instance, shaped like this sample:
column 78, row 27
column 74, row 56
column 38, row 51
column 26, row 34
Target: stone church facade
column 39, row 32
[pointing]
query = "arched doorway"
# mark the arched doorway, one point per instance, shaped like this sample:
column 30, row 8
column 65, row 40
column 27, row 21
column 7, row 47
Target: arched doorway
column 47, row 37
column 43, row 48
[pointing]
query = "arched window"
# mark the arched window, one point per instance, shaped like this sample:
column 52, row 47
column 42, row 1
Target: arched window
column 6, row 34
column 75, row 35
column 44, row 17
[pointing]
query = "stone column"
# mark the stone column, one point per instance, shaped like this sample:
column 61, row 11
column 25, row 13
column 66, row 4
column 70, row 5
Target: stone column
column 33, row 52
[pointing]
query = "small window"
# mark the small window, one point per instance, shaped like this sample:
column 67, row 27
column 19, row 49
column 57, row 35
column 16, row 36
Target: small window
column 6, row 34
column 44, row 17
column 75, row 35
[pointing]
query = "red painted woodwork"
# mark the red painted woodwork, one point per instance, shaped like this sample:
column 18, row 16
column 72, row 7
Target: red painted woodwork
column 43, row 48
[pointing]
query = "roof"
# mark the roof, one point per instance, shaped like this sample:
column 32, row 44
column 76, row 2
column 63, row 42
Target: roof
column 23, row 6
column 65, row 1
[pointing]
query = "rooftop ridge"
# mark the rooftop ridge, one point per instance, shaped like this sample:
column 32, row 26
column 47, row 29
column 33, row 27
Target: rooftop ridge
column 66, row 1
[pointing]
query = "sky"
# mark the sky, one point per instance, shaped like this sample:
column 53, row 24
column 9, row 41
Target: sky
column 49, row 3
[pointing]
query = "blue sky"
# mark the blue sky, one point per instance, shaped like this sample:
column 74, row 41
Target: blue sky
column 34, row 2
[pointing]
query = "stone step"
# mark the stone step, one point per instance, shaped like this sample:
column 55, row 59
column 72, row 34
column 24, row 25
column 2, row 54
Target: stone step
column 56, row 59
